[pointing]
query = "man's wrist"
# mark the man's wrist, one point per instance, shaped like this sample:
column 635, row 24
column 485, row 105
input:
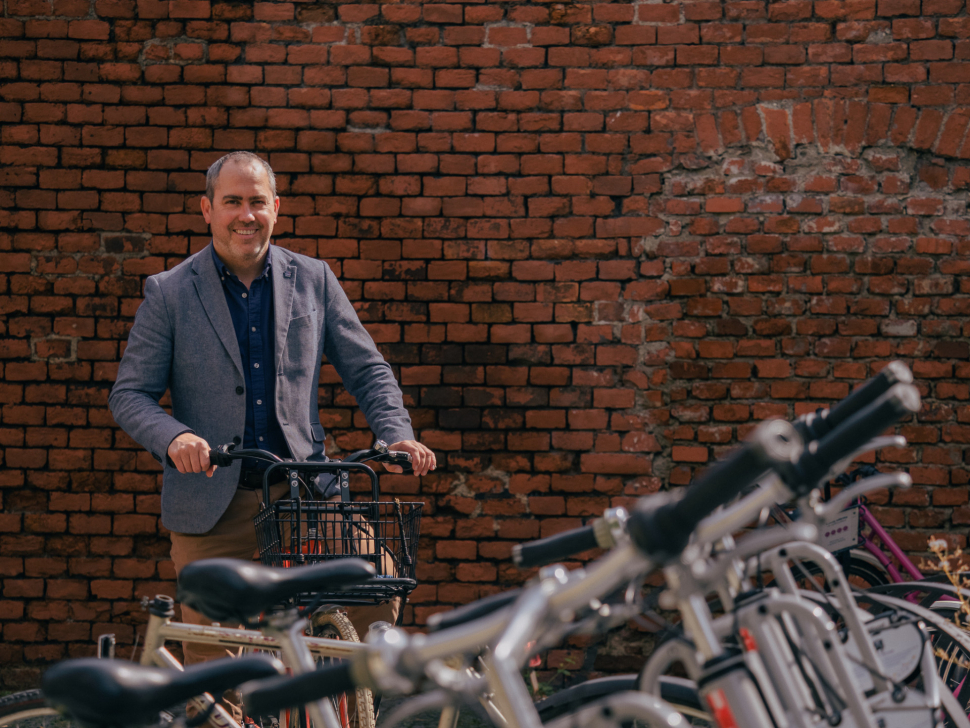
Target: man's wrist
column 168, row 458
column 392, row 437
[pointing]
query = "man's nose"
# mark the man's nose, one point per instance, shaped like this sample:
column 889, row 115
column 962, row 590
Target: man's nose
column 246, row 213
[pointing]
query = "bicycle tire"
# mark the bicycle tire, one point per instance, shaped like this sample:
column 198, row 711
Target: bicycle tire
column 334, row 624
column 678, row 692
column 861, row 573
column 945, row 636
column 952, row 659
column 27, row 709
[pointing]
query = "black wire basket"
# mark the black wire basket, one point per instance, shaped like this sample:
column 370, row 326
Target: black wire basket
column 294, row 532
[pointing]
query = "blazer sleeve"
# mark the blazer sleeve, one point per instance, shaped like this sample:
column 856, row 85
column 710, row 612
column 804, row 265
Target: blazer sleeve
column 143, row 377
column 365, row 374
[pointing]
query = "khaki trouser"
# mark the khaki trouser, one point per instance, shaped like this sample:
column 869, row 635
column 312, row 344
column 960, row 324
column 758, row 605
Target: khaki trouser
column 234, row 536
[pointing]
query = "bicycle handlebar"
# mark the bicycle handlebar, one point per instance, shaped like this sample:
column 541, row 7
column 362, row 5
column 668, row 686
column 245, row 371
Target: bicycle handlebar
column 554, row 548
column 380, row 453
column 225, row 454
column 817, row 426
column 663, row 531
column 268, row 696
column 224, row 459
column 472, row 611
column 823, row 455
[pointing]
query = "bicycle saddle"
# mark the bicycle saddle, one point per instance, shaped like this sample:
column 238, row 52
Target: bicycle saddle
column 120, row 693
column 237, row 590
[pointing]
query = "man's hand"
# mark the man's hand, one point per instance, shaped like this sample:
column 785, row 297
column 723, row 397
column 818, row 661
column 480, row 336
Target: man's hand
column 422, row 459
column 190, row 453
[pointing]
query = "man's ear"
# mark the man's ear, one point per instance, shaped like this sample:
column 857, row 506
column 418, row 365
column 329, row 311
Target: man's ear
column 207, row 209
column 276, row 206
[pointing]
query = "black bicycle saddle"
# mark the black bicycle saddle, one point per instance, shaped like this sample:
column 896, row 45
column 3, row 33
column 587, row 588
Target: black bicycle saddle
column 120, row 693
column 236, row 590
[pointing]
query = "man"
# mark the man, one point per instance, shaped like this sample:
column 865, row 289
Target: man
column 237, row 333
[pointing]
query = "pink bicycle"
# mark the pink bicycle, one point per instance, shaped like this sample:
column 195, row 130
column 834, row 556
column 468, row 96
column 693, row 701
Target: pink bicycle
column 860, row 542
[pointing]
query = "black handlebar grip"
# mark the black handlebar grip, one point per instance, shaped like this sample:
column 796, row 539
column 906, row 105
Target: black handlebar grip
column 853, row 433
column 554, row 548
column 815, row 428
column 472, row 611
column 274, row 694
column 217, row 457
column 663, row 531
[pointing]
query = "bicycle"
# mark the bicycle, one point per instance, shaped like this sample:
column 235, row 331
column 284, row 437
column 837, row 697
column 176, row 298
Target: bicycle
column 58, row 681
column 738, row 692
column 294, row 531
column 859, row 541
column 225, row 589
column 949, row 644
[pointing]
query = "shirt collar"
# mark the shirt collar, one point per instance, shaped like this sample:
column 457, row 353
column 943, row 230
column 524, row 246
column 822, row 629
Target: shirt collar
column 223, row 271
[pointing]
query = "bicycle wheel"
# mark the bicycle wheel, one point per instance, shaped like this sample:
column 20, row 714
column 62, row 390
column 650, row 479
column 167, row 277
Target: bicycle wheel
column 952, row 658
column 861, row 572
column 680, row 693
column 355, row 709
column 28, row 709
column 949, row 639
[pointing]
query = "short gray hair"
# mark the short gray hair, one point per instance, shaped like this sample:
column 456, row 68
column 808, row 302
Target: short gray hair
column 213, row 174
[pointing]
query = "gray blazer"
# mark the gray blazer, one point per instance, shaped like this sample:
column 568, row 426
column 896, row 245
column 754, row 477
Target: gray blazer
column 183, row 340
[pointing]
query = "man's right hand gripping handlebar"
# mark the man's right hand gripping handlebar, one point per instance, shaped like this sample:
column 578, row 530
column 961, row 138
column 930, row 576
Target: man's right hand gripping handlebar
column 189, row 453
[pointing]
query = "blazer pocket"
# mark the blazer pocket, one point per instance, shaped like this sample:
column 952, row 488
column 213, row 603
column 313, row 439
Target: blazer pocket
column 303, row 320
column 316, row 429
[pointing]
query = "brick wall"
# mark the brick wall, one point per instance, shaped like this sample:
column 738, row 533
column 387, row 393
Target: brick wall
column 596, row 240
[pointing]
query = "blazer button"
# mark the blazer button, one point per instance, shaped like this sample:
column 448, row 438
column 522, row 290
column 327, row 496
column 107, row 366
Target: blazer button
column 239, row 390
column 236, row 440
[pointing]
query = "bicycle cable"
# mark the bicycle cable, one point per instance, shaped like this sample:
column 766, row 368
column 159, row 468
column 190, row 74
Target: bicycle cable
column 838, row 704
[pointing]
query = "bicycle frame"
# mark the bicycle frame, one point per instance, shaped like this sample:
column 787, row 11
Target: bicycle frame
column 887, row 541
column 281, row 633
column 164, row 631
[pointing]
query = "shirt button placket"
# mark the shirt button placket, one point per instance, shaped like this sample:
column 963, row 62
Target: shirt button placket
column 255, row 309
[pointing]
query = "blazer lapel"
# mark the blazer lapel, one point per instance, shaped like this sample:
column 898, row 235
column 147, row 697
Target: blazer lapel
column 209, row 288
column 284, row 283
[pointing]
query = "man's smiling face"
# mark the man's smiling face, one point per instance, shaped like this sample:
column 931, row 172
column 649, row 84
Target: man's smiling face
column 242, row 212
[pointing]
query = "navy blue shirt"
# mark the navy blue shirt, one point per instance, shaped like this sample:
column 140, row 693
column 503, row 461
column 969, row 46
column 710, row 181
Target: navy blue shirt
column 252, row 318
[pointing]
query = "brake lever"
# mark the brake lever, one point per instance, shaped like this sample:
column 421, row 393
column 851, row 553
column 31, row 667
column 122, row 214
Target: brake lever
column 396, row 457
column 876, row 482
column 221, row 456
column 876, row 443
